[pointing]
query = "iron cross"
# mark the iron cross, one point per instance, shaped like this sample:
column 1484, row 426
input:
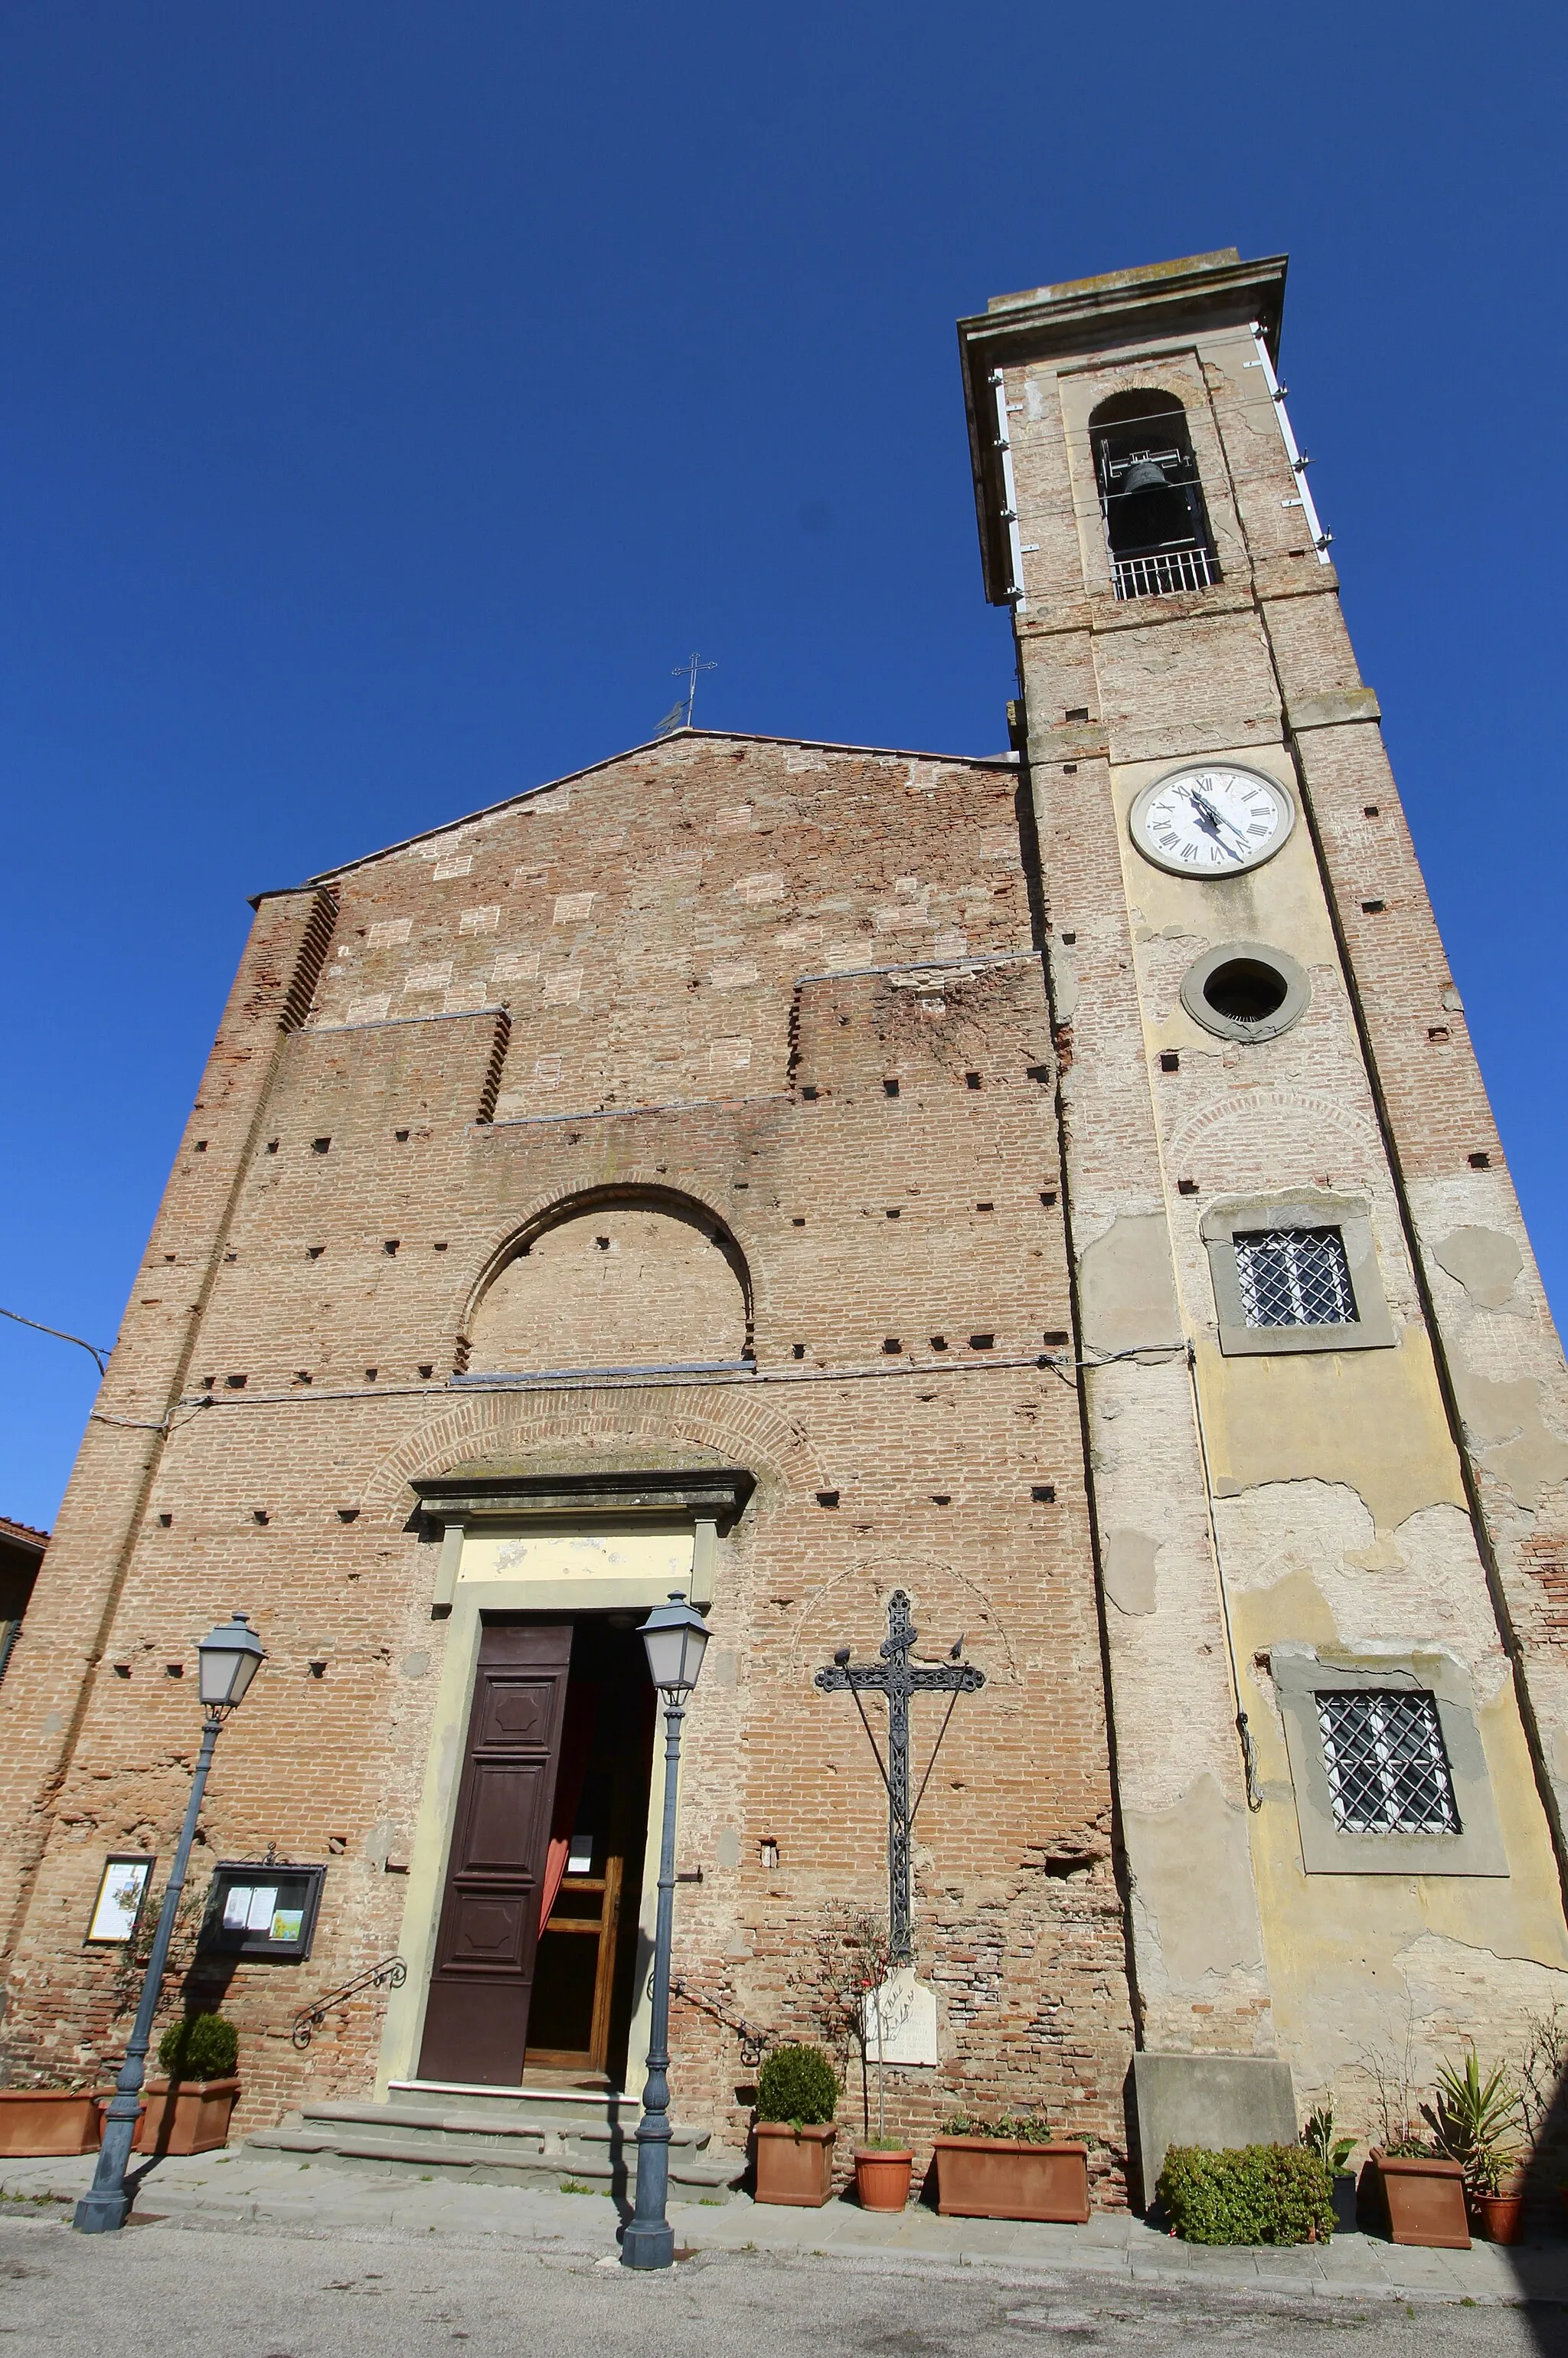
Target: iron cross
column 693, row 665
column 897, row 1677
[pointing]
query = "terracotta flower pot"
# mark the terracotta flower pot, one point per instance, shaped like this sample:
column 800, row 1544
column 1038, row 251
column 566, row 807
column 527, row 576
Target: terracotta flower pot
column 1500, row 2216
column 197, row 2122
column 794, row 2165
column 1423, row 2201
column 882, row 2178
column 47, row 2120
column 1003, row 2178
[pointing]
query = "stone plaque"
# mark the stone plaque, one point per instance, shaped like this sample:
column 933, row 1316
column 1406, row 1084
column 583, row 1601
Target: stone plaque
column 900, row 2016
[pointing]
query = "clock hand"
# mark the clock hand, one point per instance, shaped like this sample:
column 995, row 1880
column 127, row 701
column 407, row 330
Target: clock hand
column 1213, row 819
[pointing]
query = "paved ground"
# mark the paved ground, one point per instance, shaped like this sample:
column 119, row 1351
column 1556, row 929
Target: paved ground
column 241, row 2256
column 214, row 2292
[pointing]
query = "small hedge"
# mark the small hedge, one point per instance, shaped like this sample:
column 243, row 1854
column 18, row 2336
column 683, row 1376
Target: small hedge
column 201, row 2046
column 797, row 2084
column 1248, row 2194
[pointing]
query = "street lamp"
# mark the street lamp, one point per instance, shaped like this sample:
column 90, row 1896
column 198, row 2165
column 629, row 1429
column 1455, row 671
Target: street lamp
column 675, row 1636
column 229, row 1658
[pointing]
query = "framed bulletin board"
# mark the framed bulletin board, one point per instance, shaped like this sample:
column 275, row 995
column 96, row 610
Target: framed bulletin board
column 262, row 1909
column 122, row 1895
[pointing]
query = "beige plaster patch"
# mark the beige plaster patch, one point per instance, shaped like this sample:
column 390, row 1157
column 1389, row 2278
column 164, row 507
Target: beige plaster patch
column 1129, row 1569
column 1204, row 1916
column 1485, row 1262
column 1507, row 1429
column 1294, row 1607
column 1127, row 1287
column 1064, row 984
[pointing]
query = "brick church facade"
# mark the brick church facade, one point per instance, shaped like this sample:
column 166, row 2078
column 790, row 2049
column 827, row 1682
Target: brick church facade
column 1055, row 1186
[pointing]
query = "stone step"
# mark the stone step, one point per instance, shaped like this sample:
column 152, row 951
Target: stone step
column 473, row 2122
column 401, row 2139
column 529, row 2102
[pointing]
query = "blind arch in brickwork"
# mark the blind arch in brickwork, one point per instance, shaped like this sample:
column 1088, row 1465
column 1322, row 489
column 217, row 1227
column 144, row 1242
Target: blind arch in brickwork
column 623, row 1278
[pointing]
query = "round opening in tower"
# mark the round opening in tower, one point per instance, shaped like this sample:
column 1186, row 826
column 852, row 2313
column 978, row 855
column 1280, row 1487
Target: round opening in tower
column 1246, row 991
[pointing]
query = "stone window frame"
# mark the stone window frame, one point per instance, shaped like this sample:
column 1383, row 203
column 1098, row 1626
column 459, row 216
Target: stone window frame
column 1291, row 1008
column 1309, row 1207
column 1301, row 1673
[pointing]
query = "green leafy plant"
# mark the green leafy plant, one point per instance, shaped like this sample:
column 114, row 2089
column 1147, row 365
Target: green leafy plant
column 1248, row 2194
column 199, row 2047
column 1317, row 2135
column 1475, row 2122
column 1022, row 2128
column 798, row 2084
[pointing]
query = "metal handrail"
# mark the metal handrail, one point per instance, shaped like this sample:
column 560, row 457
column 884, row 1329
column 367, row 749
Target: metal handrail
column 1165, row 573
column 391, row 1973
column 754, row 2041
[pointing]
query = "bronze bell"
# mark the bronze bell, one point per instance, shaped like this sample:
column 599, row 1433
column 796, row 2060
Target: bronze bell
column 1144, row 475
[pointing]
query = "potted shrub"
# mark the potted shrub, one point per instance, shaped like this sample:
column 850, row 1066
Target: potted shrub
column 798, row 2096
column 1009, row 2168
column 189, row 2111
column 1247, row 2194
column 1409, row 2190
column 1473, row 2124
column 48, row 2121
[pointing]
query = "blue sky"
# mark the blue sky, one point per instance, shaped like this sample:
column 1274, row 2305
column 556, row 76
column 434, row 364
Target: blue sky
column 391, row 394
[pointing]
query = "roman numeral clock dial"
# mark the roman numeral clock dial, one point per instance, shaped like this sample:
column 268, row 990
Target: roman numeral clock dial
column 1211, row 822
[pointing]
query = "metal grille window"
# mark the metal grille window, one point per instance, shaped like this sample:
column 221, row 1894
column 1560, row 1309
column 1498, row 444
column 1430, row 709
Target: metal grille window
column 1387, row 1770
column 1294, row 1277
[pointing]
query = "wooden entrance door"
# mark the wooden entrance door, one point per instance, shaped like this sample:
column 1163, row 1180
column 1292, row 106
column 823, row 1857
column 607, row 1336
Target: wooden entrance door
column 586, row 1973
column 476, row 2018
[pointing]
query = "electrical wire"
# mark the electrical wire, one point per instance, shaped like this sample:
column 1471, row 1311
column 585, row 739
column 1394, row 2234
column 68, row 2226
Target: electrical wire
column 100, row 1357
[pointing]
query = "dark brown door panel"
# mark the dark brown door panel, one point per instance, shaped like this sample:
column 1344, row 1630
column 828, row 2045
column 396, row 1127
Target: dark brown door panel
column 476, row 2017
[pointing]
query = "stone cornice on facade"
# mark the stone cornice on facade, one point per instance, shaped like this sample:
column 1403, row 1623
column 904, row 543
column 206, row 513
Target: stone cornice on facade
column 705, row 1493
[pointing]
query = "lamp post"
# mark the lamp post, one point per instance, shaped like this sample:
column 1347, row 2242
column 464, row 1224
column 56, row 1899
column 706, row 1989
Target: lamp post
column 230, row 1658
column 676, row 1638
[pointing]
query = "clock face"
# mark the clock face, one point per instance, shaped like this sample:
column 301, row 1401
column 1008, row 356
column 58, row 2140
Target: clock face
column 1211, row 821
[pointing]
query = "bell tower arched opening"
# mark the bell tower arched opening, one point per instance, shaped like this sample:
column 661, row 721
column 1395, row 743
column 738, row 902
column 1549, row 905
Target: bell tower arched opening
column 1156, row 525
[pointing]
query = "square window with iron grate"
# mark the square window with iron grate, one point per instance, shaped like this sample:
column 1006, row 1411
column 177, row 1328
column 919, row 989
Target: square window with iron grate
column 1294, row 1277
column 1388, row 1770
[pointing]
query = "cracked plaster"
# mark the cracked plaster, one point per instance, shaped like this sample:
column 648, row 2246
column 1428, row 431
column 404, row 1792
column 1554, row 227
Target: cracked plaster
column 1371, row 1420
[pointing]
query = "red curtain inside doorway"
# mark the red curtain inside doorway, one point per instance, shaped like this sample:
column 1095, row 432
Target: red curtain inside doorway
column 576, row 1742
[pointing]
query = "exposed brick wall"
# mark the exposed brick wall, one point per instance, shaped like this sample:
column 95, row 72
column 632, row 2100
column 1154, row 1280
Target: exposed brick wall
column 716, row 891
column 580, row 1294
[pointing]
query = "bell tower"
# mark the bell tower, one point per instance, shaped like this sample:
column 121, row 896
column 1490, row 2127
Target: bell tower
column 1325, row 1407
